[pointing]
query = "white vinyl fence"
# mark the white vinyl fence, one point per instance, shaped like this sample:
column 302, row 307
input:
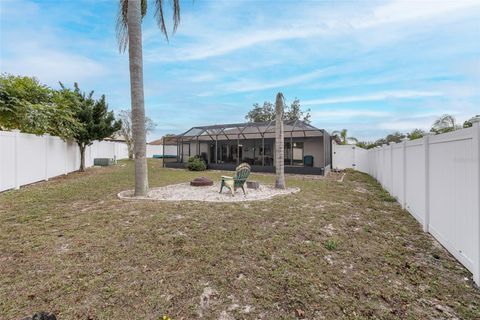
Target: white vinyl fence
column 27, row 158
column 349, row 156
column 437, row 179
column 153, row 149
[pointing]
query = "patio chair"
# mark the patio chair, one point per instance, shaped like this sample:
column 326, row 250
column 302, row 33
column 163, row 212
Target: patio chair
column 238, row 180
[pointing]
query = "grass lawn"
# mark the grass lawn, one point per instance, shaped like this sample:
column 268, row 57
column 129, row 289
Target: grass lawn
column 333, row 250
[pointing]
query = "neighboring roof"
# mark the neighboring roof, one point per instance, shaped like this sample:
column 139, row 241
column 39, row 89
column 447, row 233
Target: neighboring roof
column 170, row 140
column 117, row 136
column 250, row 130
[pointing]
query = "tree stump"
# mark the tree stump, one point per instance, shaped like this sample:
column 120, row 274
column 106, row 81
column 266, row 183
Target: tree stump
column 201, row 182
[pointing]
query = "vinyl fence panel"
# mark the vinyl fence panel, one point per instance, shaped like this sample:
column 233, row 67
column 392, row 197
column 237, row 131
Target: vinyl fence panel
column 28, row 158
column 397, row 171
column 7, row 160
column 362, row 160
column 415, row 179
column 344, row 156
column 453, row 194
column 437, row 180
column 153, row 149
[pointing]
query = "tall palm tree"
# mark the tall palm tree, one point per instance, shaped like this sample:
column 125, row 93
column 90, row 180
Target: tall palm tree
column 343, row 135
column 129, row 33
column 445, row 123
column 279, row 143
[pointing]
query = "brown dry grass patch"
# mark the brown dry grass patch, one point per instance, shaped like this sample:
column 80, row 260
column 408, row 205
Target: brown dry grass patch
column 333, row 250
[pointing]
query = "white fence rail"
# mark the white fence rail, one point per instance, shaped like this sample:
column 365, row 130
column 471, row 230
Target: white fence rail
column 27, row 158
column 437, row 179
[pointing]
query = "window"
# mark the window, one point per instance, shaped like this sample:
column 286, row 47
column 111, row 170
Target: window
column 296, row 153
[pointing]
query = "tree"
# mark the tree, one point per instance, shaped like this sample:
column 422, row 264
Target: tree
column 416, row 134
column 445, row 123
column 96, row 122
column 395, row 137
column 343, row 135
column 294, row 112
column 366, row 144
column 263, row 113
column 126, row 131
column 31, row 107
column 129, row 32
column 468, row 124
column 267, row 112
column 279, row 143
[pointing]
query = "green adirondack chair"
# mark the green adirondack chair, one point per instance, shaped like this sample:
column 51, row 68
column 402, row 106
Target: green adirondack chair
column 238, row 180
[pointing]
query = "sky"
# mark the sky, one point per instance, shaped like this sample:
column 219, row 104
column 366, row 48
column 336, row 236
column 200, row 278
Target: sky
column 372, row 67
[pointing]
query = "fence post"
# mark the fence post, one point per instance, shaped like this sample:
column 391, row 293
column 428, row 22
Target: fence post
column 354, row 164
column 476, row 145
column 45, row 137
column 404, row 173
column 426, row 145
column 16, row 153
column 66, row 157
column 384, row 165
column 391, row 168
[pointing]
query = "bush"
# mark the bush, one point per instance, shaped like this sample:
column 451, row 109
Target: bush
column 196, row 163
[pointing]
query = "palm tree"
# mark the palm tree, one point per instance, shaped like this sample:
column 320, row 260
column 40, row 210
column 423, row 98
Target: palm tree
column 445, row 123
column 279, row 141
column 129, row 32
column 344, row 138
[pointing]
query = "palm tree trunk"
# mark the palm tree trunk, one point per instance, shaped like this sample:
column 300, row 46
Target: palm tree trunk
column 279, row 143
column 134, row 21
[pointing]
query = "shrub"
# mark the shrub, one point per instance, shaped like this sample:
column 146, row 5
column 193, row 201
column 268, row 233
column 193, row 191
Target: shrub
column 195, row 163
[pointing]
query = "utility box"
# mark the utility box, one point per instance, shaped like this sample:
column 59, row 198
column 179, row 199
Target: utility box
column 308, row 161
column 103, row 162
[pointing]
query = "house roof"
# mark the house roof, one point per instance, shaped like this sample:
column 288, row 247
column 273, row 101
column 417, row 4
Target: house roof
column 117, row 136
column 169, row 140
column 250, row 130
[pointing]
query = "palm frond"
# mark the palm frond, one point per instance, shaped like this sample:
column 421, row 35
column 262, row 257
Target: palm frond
column 121, row 28
column 160, row 16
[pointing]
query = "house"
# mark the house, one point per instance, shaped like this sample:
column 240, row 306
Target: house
column 165, row 140
column 165, row 148
column 116, row 137
column 224, row 146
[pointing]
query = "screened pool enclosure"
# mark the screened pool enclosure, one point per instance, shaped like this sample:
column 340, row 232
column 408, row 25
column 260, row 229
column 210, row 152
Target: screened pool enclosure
column 307, row 149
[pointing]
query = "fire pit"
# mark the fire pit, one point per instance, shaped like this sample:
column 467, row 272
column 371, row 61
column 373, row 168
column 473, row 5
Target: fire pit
column 201, row 182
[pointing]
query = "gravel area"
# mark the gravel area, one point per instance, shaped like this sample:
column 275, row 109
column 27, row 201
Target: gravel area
column 185, row 192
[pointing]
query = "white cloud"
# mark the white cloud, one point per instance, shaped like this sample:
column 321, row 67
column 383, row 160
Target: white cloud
column 53, row 66
column 302, row 25
column 225, row 45
column 405, row 11
column 346, row 113
column 374, row 97
column 249, row 85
